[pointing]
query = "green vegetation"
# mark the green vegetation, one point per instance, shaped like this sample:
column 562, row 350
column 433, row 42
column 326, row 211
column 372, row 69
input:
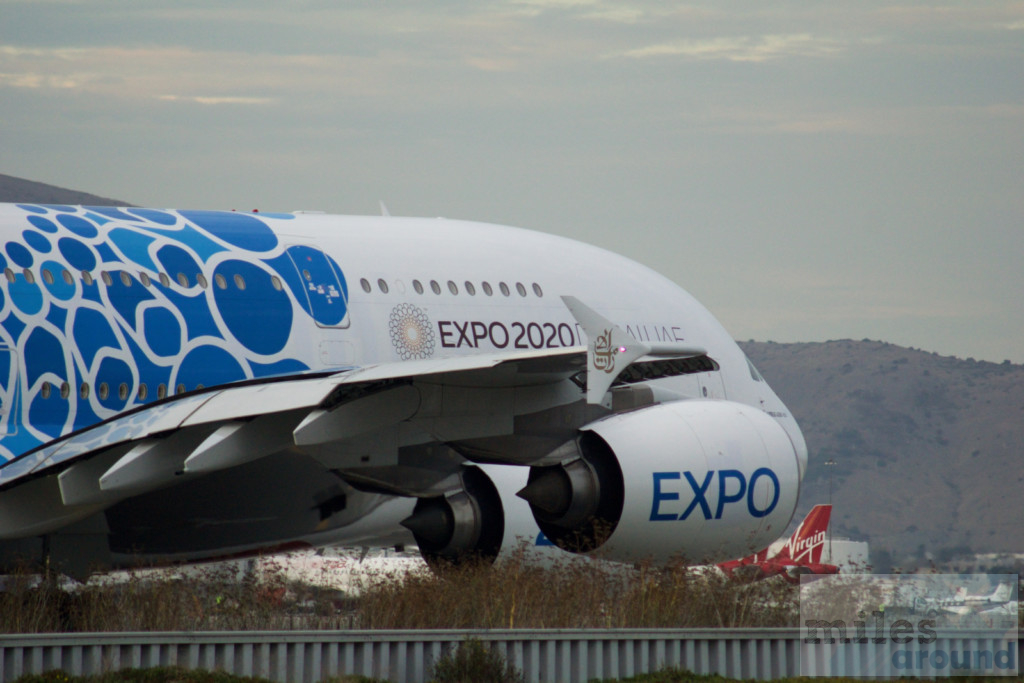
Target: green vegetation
column 474, row 662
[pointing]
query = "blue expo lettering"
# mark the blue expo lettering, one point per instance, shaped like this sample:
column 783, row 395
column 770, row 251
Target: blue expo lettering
column 733, row 486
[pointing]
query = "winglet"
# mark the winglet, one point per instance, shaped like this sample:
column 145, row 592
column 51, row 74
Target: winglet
column 610, row 349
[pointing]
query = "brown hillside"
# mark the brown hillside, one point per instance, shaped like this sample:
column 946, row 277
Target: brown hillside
column 30, row 192
column 927, row 448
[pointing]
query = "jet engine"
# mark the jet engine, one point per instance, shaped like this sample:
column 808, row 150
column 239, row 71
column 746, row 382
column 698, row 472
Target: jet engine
column 694, row 479
column 465, row 523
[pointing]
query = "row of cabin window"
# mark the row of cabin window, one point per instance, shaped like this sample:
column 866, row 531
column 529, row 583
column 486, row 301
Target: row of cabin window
column 468, row 286
column 103, row 390
column 126, row 279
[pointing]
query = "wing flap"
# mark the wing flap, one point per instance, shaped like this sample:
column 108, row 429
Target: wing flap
column 359, row 416
column 237, row 442
column 257, row 399
column 152, row 463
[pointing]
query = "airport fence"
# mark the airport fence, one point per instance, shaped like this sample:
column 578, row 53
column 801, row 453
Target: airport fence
column 542, row 655
column 409, row 655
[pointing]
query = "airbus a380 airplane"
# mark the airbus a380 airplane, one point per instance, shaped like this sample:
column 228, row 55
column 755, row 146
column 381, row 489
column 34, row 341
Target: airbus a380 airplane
column 187, row 385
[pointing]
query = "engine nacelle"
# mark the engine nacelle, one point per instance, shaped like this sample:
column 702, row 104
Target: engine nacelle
column 703, row 480
column 465, row 524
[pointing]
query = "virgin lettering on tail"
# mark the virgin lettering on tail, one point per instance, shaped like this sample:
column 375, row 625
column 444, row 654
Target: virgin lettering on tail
column 800, row 555
column 808, row 541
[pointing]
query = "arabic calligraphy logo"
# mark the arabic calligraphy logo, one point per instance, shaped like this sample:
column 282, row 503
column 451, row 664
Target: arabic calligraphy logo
column 411, row 333
column 604, row 354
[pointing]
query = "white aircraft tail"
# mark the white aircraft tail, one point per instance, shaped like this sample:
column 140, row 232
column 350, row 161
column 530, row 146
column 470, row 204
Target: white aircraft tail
column 1001, row 594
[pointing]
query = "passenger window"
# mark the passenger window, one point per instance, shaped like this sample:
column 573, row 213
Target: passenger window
column 504, row 289
column 143, row 392
column 222, row 282
column 382, row 286
column 520, row 289
column 180, row 389
column 365, row 284
column 65, row 390
column 418, row 286
column 434, row 287
column 164, row 280
column 126, row 279
column 107, row 279
column 239, row 281
column 86, row 277
column 470, row 289
column 146, row 282
column 122, row 391
column 44, row 390
column 537, row 290
column 104, row 391
column 47, row 276
column 68, row 277
column 29, row 276
column 161, row 391
column 276, row 281
column 452, row 287
column 183, row 279
column 487, row 288
column 9, row 274
column 201, row 279
column 83, row 391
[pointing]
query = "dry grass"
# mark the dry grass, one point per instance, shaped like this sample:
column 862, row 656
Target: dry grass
column 223, row 597
column 577, row 593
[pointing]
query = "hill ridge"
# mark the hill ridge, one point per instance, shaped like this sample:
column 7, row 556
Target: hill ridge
column 927, row 447
column 20, row 190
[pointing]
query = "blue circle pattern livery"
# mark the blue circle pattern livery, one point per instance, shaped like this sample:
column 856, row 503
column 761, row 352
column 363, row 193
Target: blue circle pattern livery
column 250, row 317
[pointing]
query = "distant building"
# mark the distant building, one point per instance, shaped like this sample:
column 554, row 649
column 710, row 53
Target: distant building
column 853, row 557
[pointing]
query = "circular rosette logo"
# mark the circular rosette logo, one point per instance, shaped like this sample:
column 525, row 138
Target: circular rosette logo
column 411, row 333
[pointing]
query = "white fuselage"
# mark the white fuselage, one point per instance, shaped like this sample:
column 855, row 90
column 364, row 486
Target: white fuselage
column 114, row 316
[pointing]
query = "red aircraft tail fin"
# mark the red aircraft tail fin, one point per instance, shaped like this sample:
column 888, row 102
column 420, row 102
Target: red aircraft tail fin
column 807, row 542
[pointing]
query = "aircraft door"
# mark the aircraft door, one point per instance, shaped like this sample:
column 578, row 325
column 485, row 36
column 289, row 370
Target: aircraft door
column 326, row 294
column 711, row 385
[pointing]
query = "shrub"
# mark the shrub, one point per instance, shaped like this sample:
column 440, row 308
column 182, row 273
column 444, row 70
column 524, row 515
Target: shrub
column 472, row 662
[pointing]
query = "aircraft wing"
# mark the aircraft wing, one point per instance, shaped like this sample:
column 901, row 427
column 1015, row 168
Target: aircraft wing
column 187, row 436
column 356, row 421
column 229, row 413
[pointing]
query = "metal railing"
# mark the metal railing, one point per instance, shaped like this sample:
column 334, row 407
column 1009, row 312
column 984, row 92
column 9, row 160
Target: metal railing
column 409, row 655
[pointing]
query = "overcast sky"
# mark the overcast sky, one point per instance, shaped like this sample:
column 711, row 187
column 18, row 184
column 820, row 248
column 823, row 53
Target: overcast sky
column 809, row 170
